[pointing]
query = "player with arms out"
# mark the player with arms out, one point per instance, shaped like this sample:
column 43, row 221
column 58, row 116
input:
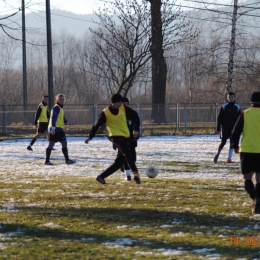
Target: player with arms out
column 114, row 116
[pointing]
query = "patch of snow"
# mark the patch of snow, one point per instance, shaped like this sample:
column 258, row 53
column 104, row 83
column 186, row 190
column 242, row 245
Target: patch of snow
column 169, row 252
column 203, row 250
column 170, row 154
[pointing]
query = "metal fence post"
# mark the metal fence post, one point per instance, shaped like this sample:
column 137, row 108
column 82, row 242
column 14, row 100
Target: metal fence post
column 4, row 119
column 141, row 120
column 158, row 113
column 216, row 119
column 185, row 120
column 177, row 116
column 94, row 112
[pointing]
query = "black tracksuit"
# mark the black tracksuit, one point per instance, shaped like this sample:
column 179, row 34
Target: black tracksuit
column 227, row 118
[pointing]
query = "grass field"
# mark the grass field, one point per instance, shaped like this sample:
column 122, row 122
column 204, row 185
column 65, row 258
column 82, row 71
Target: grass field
column 66, row 214
column 60, row 218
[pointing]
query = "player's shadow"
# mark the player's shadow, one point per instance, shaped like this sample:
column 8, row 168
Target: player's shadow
column 169, row 221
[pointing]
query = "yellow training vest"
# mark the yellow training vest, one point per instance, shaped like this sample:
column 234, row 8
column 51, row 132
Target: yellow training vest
column 43, row 116
column 60, row 118
column 116, row 124
column 250, row 142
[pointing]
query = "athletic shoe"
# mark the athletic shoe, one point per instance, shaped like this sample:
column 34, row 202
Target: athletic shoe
column 128, row 178
column 216, row 158
column 256, row 206
column 100, row 179
column 137, row 179
column 48, row 163
column 29, row 148
column 69, row 162
column 229, row 161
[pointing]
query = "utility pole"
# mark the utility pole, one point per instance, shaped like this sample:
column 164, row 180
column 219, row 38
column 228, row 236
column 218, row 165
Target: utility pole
column 190, row 73
column 232, row 50
column 24, row 67
column 49, row 54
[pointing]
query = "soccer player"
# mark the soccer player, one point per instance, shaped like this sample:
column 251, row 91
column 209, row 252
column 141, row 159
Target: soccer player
column 227, row 117
column 56, row 130
column 132, row 143
column 41, row 119
column 248, row 125
column 114, row 116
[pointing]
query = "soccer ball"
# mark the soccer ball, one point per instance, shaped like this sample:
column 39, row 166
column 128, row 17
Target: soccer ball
column 151, row 171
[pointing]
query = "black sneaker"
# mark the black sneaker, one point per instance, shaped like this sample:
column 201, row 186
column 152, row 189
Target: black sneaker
column 48, row 163
column 256, row 206
column 216, row 158
column 137, row 179
column 128, row 178
column 100, row 179
column 69, row 162
column 29, row 148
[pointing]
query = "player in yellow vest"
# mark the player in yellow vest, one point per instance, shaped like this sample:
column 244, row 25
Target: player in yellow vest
column 56, row 130
column 41, row 119
column 248, row 124
column 114, row 116
column 132, row 143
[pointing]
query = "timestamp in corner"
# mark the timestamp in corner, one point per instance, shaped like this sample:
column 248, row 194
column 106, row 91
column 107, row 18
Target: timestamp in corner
column 248, row 240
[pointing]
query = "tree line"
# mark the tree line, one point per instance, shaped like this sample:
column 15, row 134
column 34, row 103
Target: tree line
column 118, row 57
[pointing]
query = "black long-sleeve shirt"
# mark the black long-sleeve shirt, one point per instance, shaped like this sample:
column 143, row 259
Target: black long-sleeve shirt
column 130, row 115
column 227, row 117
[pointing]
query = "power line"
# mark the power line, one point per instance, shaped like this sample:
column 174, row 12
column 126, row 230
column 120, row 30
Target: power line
column 224, row 5
column 213, row 10
column 203, row 8
column 66, row 16
column 205, row 19
column 84, row 20
column 203, row 2
column 195, row 18
column 215, row 21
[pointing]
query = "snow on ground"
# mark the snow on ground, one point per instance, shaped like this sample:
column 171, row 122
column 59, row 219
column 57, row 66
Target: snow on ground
column 174, row 156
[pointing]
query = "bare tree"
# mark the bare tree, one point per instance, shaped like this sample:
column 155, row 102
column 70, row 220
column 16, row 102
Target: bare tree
column 168, row 27
column 120, row 46
column 130, row 34
column 232, row 49
column 159, row 67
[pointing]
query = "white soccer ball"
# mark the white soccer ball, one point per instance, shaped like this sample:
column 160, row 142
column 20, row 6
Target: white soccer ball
column 151, row 171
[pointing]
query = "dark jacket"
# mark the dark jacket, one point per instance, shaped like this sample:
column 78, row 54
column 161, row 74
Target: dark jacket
column 130, row 115
column 227, row 117
column 131, row 127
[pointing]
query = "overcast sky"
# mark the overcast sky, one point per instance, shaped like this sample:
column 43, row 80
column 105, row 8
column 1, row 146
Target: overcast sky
column 78, row 6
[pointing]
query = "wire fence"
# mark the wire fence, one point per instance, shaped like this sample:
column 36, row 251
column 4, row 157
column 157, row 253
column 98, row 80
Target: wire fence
column 13, row 118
